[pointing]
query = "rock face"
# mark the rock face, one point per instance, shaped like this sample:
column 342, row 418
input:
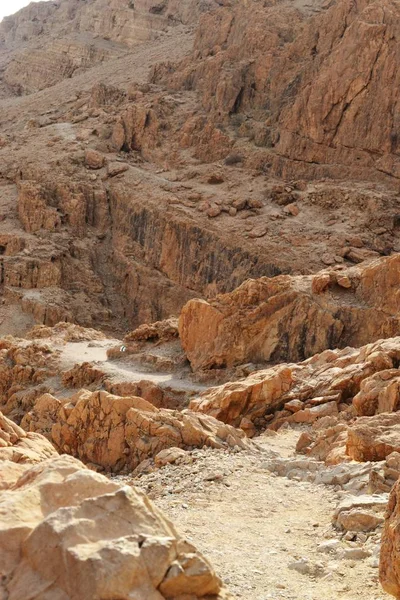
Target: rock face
column 309, row 110
column 118, row 433
column 69, row 37
column 389, row 574
column 304, row 390
column 18, row 446
column 291, row 318
column 114, row 542
column 379, row 393
column 374, row 438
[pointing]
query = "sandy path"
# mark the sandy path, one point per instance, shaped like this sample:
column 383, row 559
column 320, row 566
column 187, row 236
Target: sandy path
column 252, row 525
column 79, row 352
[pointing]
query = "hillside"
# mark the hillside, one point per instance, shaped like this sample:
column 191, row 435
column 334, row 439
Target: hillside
column 199, row 299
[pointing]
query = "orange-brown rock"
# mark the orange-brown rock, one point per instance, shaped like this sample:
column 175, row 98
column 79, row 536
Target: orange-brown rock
column 389, row 571
column 332, row 376
column 285, row 76
column 117, row 433
column 148, row 390
column 23, row 365
column 20, row 447
column 379, row 393
column 33, row 210
column 326, row 441
column 374, row 438
column 161, row 331
column 83, row 375
column 115, row 542
column 252, row 398
column 67, row 332
column 287, row 318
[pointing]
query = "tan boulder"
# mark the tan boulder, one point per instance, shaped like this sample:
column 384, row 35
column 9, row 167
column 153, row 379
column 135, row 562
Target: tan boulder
column 75, row 534
column 93, row 159
column 17, row 446
column 379, row 393
column 360, row 513
column 160, row 331
column 326, row 441
column 169, row 456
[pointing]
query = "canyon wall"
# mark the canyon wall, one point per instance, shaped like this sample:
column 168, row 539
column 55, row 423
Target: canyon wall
column 286, row 78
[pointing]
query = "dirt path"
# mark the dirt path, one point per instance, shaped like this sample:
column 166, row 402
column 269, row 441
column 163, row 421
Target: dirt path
column 119, row 371
column 253, row 525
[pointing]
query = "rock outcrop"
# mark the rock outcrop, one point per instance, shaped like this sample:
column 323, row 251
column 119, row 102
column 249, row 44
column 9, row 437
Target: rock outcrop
column 389, row 574
column 291, row 318
column 379, row 393
column 117, row 433
column 284, row 76
column 374, row 438
column 74, row 533
column 18, row 446
column 302, row 392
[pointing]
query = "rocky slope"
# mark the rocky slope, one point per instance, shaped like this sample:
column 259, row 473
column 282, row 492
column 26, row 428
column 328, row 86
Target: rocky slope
column 46, row 43
column 109, row 182
column 199, row 296
column 287, row 75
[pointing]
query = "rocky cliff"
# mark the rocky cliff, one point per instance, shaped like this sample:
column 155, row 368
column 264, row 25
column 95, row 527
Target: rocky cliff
column 212, row 188
column 286, row 318
column 123, row 199
column 285, row 78
column 46, row 43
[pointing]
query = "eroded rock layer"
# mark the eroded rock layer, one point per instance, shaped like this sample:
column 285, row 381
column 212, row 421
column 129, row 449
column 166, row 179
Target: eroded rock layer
column 290, row 318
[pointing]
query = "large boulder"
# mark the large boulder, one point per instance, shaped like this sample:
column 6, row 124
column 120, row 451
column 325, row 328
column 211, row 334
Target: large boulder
column 374, row 438
column 17, row 446
column 117, row 433
column 69, row 533
column 379, row 393
column 292, row 318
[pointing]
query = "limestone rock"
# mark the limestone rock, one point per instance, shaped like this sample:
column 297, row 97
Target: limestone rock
column 33, row 210
column 379, row 393
column 159, row 331
column 93, row 159
column 389, row 573
column 374, row 438
column 20, row 447
column 168, row 456
column 360, row 513
column 114, row 541
column 321, row 383
column 116, row 168
column 118, row 433
column 285, row 319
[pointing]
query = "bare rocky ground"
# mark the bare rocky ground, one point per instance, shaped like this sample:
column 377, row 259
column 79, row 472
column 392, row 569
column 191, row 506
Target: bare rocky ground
column 268, row 537
column 203, row 159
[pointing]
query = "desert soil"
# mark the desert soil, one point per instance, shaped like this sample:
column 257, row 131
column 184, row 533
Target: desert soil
column 256, row 527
